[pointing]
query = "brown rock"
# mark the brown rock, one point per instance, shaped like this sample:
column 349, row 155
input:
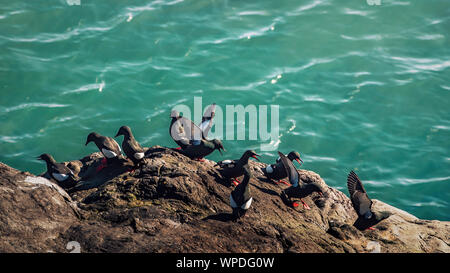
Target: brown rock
column 175, row 204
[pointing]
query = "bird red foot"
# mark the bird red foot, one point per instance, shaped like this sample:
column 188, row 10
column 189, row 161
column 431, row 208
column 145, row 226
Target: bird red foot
column 178, row 148
column 236, row 182
column 370, row 228
column 282, row 181
column 305, row 205
column 199, row 159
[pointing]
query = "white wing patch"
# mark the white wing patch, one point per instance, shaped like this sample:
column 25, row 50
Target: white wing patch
column 247, row 204
column 60, row 177
column 108, row 153
column 139, row 155
column 226, row 161
column 269, row 169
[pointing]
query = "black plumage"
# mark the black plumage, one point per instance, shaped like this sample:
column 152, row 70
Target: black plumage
column 277, row 171
column 231, row 169
column 58, row 171
column 363, row 204
column 298, row 188
column 191, row 138
column 107, row 146
column 240, row 197
column 130, row 146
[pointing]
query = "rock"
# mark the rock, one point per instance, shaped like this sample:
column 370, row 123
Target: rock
column 174, row 204
column 34, row 212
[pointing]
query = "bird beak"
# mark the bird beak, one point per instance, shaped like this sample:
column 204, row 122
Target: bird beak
column 255, row 157
column 300, row 161
column 117, row 135
column 38, row 158
column 321, row 194
column 220, row 151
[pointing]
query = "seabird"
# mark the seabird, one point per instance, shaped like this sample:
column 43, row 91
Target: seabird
column 57, row 171
column 362, row 204
column 298, row 188
column 108, row 146
column 232, row 169
column 130, row 146
column 240, row 197
column 277, row 171
column 191, row 138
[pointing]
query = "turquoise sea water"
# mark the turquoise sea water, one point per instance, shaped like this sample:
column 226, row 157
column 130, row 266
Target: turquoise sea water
column 359, row 86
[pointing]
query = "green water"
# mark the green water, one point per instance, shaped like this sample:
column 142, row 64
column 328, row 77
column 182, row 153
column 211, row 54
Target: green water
column 359, row 87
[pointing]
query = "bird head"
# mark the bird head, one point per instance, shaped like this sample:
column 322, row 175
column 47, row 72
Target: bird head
column 174, row 114
column 218, row 145
column 252, row 154
column 45, row 157
column 124, row 131
column 295, row 156
column 316, row 187
column 92, row 137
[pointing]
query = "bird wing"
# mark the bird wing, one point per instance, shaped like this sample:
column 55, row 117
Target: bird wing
column 207, row 119
column 290, row 169
column 61, row 169
column 227, row 163
column 137, row 148
column 241, row 194
column 360, row 200
column 354, row 183
column 111, row 145
column 184, row 131
column 60, row 172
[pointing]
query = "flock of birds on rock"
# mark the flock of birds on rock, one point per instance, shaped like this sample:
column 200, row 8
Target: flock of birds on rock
column 193, row 142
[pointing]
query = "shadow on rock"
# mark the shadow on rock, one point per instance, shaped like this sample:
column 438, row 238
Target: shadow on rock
column 223, row 217
column 91, row 178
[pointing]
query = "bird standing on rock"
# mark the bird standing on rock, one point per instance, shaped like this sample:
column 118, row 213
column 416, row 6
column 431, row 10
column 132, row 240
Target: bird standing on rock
column 57, row 171
column 232, row 169
column 191, row 138
column 240, row 197
column 277, row 171
column 298, row 188
column 130, row 146
column 362, row 204
column 108, row 146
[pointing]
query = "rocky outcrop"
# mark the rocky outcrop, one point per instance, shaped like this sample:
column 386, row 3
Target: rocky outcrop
column 174, row 204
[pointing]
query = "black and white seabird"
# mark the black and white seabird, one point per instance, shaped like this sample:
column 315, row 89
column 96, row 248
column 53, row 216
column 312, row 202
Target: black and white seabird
column 362, row 204
column 130, row 146
column 57, row 171
column 277, row 171
column 298, row 188
column 232, row 169
column 191, row 138
column 240, row 197
column 107, row 145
